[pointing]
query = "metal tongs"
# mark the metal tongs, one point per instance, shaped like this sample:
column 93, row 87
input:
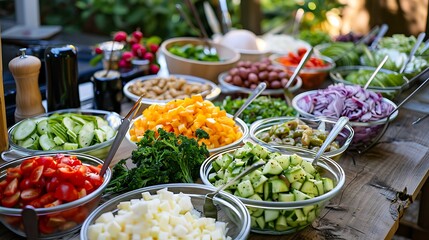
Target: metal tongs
column 122, row 130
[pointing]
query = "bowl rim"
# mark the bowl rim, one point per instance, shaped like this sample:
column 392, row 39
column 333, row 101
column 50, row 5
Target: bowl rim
column 243, row 234
column 322, row 162
column 231, row 87
column 214, row 91
column 254, row 129
column 304, row 44
column 238, row 121
column 352, row 123
column 343, row 69
column 235, row 58
column 14, row 146
column 81, row 201
column 331, row 63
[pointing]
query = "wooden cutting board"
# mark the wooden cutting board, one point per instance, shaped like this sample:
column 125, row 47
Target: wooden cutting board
column 3, row 123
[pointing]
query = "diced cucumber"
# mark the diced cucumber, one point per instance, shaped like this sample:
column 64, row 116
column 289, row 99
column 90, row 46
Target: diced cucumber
column 259, row 189
column 68, row 123
column 260, row 181
column 295, row 173
column 72, row 136
column 295, row 159
column 279, row 186
column 24, row 129
column 299, row 196
column 286, row 197
column 110, row 132
column 241, row 153
column 253, row 223
column 296, row 218
column 257, row 212
column 307, row 209
column 46, row 143
column 78, row 119
column 319, row 185
column 261, row 222
column 70, row 146
column 328, row 184
column 308, row 167
column 43, row 127
column 254, row 176
column 281, row 224
column 255, row 197
column 267, row 190
column 215, row 166
column 86, row 135
column 213, row 177
column 77, row 128
column 309, row 187
column 245, row 189
column 259, row 151
column 270, row 215
column 272, row 167
column 60, row 131
column 283, row 160
column 311, row 216
column 100, row 122
column 224, row 160
column 296, row 185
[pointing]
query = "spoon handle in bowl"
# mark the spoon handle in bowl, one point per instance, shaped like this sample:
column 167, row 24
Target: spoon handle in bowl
column 258, row 90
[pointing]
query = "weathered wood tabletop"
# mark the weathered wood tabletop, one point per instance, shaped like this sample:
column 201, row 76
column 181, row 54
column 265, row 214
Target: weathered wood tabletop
column 370, row 204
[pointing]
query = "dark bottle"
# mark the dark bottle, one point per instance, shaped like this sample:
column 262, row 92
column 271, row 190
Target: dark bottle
column 62, row 86
column 107, row 90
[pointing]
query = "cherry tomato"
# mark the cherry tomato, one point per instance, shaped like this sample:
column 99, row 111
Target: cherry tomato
column 66, row 172
column 11, row 188
column 46, row 161
column 95, row 179
column 30, row 194
column 27, row 166
column 71, row 161
column 3, row 183
column 44, row 227
column 14, row 172
column 53, row 204
column 25, row 184
column 51, row 186
column 81, row 215
column 81, row 192
column 56, row 221
column 49, row 172
column 94, row 169
column 88, row 186
column 66, row 191
column 301, row 52
column 43, row 200
column 11, row 201
column 36, row 174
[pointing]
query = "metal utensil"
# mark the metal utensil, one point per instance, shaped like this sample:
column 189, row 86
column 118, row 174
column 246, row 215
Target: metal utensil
column 376, row 71
column 226, row 18
column 379, row 36
column 209, row 208
column 211, row 19
column 286, row 92
column 420, row 119
column 297, row 21
column 258, row 90
column 413, row 51
column 122, row 130
column 208, row 49
column 187, row 19
column 424, row 74
column 339, row 125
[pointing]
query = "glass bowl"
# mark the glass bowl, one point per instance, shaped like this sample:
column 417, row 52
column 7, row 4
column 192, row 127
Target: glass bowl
column 238, row 122
column 312, row 78
column 365, row 133
column 61, row 219
column 388, row 90
column 98, row 150
column 230, row 209
column 281, row 216
column 277, row 131
column 210, row 95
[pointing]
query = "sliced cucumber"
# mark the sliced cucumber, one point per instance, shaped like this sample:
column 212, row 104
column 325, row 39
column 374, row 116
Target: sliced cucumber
column 31, row 142
column 46, row 142
column 100, row 135
column 86, row 134
column 43, row 127
column 272, row 167
column 25, row 129
column 245, row 189
column 70, row 146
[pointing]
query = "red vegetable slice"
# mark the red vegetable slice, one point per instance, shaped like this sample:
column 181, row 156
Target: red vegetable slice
column 30, row 194
column 36, row 174
column 66, row 191
column 11, row 188
column 11, row 201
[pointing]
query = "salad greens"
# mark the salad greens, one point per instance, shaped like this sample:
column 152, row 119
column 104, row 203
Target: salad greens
column 262, row 107
column 193, row 52
column 165, row 158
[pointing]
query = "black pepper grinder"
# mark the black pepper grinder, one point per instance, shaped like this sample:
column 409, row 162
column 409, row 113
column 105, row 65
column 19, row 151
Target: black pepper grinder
column 62, row 86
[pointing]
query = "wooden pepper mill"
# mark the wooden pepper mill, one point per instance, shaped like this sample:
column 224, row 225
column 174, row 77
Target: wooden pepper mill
column 25, row 70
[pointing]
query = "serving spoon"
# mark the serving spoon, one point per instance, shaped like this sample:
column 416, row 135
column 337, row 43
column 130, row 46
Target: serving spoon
column 376, row 71
column 339, row 125
column 258, row 90
column 413, row 51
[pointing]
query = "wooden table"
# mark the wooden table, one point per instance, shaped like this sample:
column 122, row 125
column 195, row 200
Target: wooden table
column 368, row 206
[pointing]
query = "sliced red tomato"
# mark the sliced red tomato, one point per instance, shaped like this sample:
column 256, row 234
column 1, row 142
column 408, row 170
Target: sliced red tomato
column 14, row 172
column 11, row 201
column 94, row 169
column 69, row 213
column 81, row 215
column 66, row 192
column 71, row 161
column 11, row 188
column 30, row 194
column 52, row 185
column 47, row 161
column 43, row 200
column 36, row 174
column 49, row 172
column 88, row 186
column 56, row 221
column 301, row 52
column 95, row 179
column 81, row 192
column 53, row 204
column 25, row 184
column 66, row 172
column 27, row 166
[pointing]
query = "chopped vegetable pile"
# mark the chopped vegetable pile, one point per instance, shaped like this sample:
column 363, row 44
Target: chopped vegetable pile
column 165, row 158
column 351, row 101
column 184, row 117
column 262, row 107
column 193, row 52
